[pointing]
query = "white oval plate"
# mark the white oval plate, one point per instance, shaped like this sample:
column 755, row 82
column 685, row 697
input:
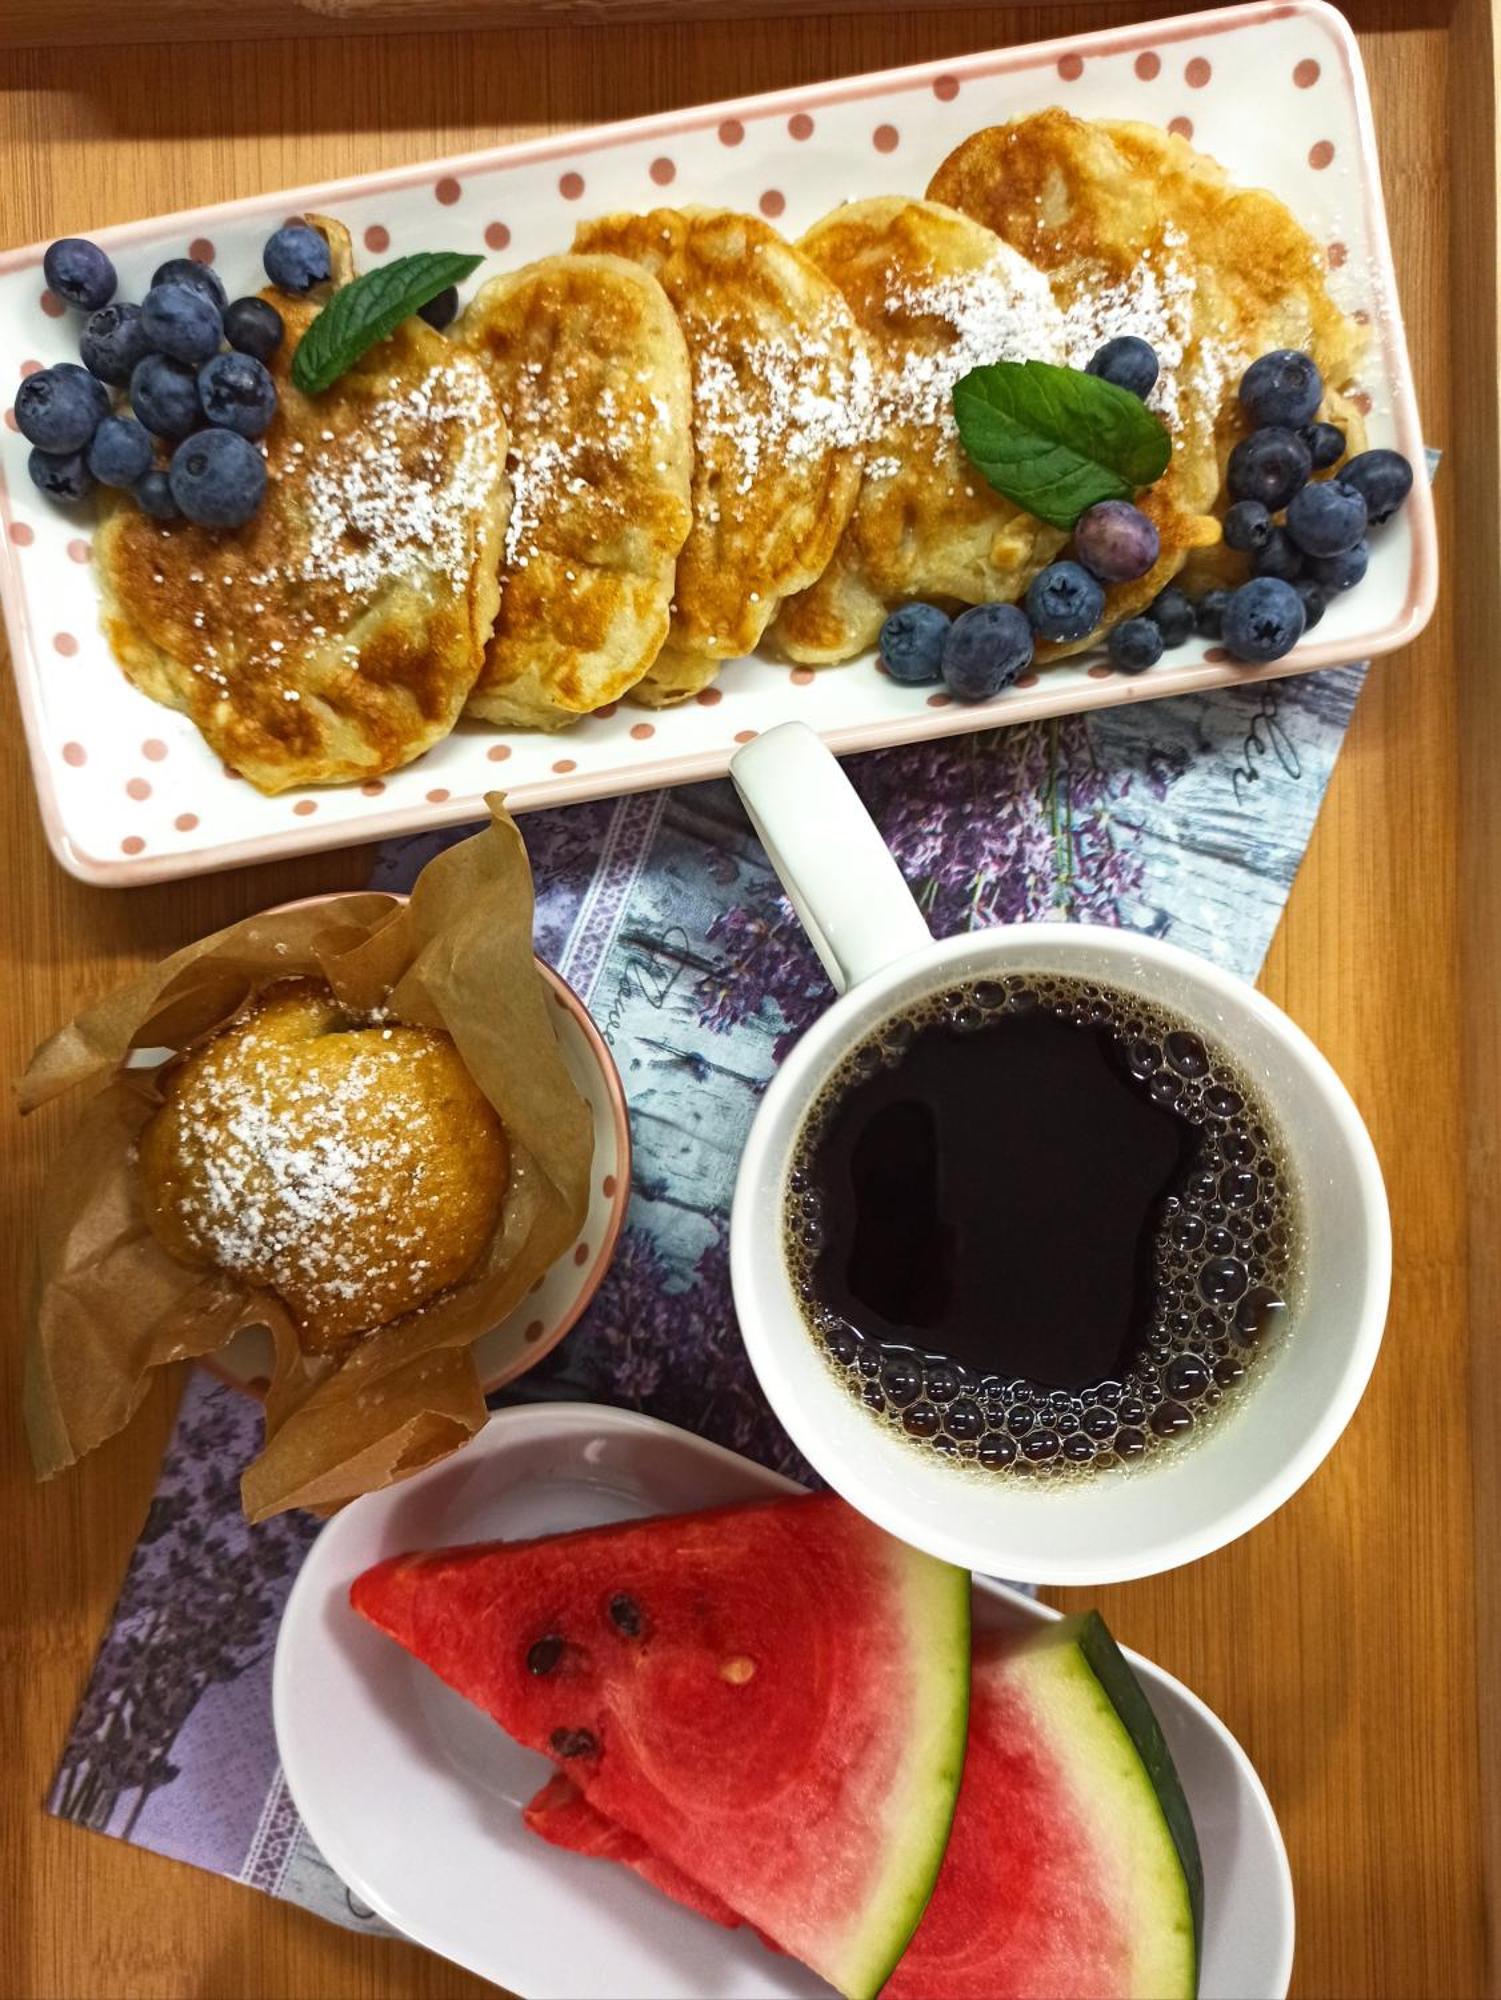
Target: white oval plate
column 414, row 1796
column 1274, row 90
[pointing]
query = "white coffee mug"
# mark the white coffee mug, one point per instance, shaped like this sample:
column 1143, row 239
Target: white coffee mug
column 1179, row 1503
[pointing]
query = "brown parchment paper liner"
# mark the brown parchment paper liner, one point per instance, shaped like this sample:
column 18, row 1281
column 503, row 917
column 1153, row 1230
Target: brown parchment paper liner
column 108, row 1305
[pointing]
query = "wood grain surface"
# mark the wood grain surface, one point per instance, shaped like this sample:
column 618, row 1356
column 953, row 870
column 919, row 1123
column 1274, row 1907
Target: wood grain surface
column 1338, row 1640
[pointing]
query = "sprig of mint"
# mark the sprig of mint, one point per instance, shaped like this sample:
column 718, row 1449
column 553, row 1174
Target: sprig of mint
column 368, row 309
column 1055, row 440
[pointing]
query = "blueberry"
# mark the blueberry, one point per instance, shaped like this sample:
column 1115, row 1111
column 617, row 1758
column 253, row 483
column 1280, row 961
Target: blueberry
column 1382, row 478
column 1209, row 613
column 253, row 326
column 1314, row 601
column 1127, row 361
column 985, row 650
column 1327, row 518
column 1246, row 526
column 1263, row 620
column 1135, row 644
column 296, row 258
column 62, row 476
column 237, row 393
column 112, row 342
column 198, row 277
column 79, row 272
column 1342, row 572
column 1283, row 387
column 1280, row 556
column 911, row 643
column 218, row 478
column 153, row 494
column 1269, row 466
column 1326, row 444
column 181, row 322
column 1173, row 615
column 1064, row 602
column 59, row 408
column 439, row 312
column 121, row 452
column 164, row 395
column 1115, row 541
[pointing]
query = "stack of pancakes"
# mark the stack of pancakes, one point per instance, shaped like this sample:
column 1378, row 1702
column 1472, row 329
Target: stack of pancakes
column 637, row 461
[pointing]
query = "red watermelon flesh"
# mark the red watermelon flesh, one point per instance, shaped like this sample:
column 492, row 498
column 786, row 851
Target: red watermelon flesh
column 561, row 1814
column 771, row 1697
column 1072, row 1872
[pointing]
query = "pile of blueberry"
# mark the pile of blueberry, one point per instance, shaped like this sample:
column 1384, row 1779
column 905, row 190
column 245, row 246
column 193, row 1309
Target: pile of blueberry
column 192, row 368
column 1317, row 548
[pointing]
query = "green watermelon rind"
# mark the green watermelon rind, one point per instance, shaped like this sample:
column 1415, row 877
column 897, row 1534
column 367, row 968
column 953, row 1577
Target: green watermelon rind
column 934, row 1619
column 1146, row 1791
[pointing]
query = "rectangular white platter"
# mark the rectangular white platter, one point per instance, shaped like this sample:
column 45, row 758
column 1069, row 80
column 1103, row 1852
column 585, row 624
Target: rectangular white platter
column 129, row 792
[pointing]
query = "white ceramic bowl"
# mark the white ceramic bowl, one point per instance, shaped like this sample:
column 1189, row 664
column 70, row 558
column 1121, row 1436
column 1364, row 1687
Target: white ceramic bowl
column 414, row 1796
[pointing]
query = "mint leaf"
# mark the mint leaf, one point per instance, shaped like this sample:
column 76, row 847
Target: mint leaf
column 369, row 309
column 1055, row 440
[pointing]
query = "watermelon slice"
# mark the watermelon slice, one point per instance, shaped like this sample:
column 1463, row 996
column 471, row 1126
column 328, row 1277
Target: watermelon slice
column 771, row 1697
column 561, row 1814
column 1072, row 1871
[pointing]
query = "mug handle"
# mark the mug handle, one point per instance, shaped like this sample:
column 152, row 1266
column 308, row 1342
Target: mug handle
column 839, row 874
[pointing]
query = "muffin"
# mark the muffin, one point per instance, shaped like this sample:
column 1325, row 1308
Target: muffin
column 351, row 1166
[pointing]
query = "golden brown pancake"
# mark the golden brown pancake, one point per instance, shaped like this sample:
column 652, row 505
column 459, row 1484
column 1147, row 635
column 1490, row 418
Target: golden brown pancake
column 591, row 370
column 353, row 1169
column 338, row 633
column 935, row 295
column 780, row 380
column 1139, row 233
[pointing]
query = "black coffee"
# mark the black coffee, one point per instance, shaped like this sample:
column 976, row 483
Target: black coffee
column 1040, row 1225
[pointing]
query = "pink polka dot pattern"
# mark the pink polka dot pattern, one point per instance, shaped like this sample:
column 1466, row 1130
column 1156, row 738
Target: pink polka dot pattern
column 607, row 1186
column 731, row 132
column 21, row 535
column 439, row 795
column 75, row 754
column 663, row 172
column 709, row 697
column 153, row 750
column 1338, row 255
column 746, row 735
column 1217, row 655
column 1101, row 672
column 1198, row 73
column 945, row 88
column 1184, row 127
column 79, row 551
column 885, row 138
column 377, row 238
column 801, row 677
column 940, row 701
column 1148, row 65
column 772, row 203
column 448, row 191
column 571, row 186
column 564, row 765
column 1306, row 73
column 1320, row 154
column 497, row 236
column 1070, row 68
column 132, row 844
column 1027, row 680
column 642, row 732
column 534, row 1330
column 498, row 752
column 305, row 808
column 186, row 822
column 800, row 125
column 581, row 1253
column 1362, row 401
column 52, row 305
column 64, row 643
column 137, row 788
column 202, row 249
column 30, row 368
column 372, row 788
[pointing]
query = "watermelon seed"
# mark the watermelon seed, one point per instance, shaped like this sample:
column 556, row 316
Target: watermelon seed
column 545, row 1655
column 625, row 1615
column 738, row 1670
column 573, row 1743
